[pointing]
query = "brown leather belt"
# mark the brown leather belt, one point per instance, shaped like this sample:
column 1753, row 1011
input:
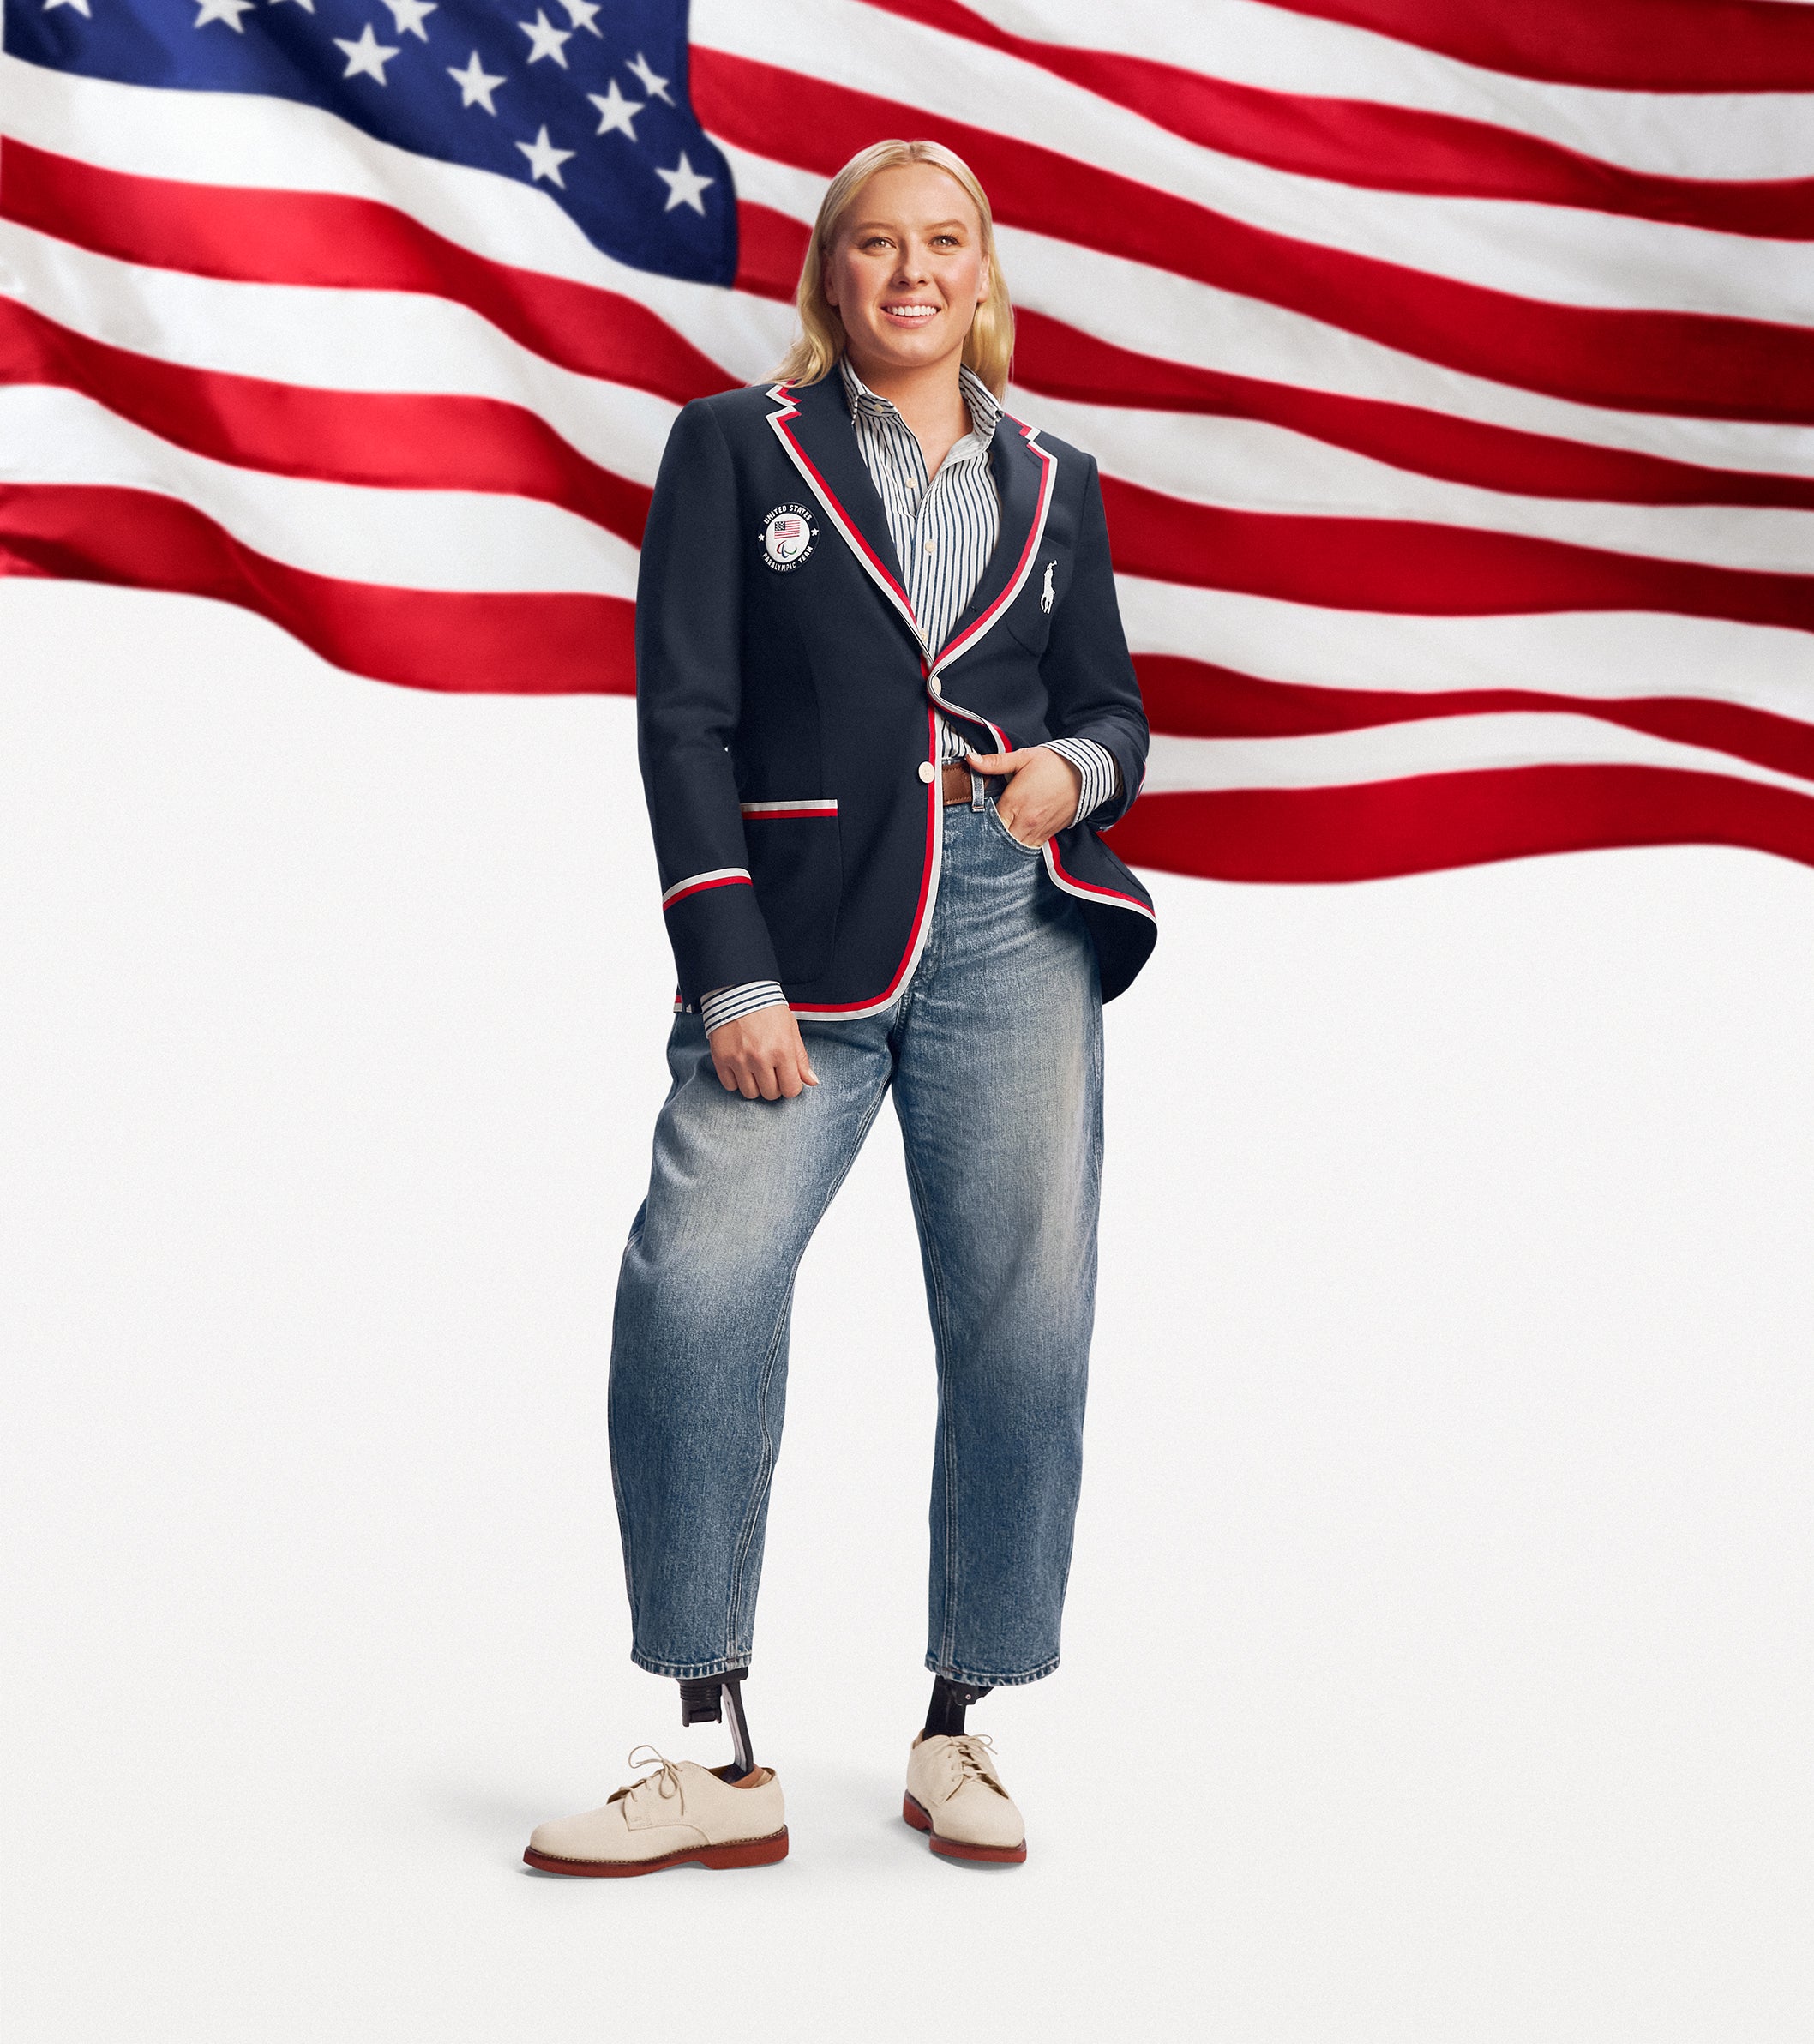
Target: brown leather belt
column 956, row 779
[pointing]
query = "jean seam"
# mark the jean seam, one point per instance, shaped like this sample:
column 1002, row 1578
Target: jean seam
column 1097, row 1060
column 610, row 1416
column 764, row 1479
column 765, row 1474
column 610, row 1432
column 947, row 1427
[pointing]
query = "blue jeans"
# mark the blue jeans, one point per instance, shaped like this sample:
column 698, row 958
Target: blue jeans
column 995, row 1057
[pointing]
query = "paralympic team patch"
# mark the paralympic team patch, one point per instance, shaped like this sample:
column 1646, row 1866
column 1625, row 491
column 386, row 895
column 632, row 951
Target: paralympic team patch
column 788, row 533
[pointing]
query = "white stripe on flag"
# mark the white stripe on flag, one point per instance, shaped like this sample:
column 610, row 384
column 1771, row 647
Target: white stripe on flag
column 448, row 540
column 1248, row 42
column 1561, row 253
column 1432, row 745
column 1603, row 654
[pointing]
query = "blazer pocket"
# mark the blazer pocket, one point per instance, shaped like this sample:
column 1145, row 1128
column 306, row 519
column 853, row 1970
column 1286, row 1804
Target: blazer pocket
column 795, row 862
column 1028, row 623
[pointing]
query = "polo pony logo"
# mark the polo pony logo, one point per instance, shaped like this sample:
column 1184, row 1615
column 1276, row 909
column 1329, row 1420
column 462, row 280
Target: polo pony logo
column 1045, row 591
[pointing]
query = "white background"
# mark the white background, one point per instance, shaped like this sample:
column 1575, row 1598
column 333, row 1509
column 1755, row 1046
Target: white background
column 1437, row 1663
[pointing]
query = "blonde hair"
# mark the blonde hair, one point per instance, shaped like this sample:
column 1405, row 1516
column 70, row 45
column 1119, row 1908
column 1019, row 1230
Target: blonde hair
column 988, row 347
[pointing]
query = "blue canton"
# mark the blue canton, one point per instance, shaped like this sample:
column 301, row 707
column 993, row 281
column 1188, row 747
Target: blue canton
column 585, row 100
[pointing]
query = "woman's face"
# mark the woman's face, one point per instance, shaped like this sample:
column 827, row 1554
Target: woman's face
column 906, row 268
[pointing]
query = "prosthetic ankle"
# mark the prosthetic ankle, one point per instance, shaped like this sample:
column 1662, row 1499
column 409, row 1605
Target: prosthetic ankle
column 703, row 1701
column 950, row 1700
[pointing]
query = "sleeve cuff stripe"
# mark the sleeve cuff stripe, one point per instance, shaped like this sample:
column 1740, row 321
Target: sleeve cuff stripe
column 728, row 1004
column 719, row 876
column 1095, row 768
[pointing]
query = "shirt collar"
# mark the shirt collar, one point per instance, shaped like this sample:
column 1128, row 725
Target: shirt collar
column 985, row 414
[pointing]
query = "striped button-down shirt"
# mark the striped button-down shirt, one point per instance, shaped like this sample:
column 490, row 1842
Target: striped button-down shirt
column 944, row 527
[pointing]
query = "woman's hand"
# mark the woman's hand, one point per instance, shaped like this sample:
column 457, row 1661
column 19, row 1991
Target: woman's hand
column 1043, row 792
column 761, row 1056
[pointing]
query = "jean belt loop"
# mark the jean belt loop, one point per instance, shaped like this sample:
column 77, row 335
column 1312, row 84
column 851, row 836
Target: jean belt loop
column 978, row 792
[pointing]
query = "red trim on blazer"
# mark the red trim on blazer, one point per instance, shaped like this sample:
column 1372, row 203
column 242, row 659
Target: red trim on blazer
column 725, row 876
column 1072, row 885
column 928, row 892
column 834, row 509
column 956, row 648
column 1035, row 532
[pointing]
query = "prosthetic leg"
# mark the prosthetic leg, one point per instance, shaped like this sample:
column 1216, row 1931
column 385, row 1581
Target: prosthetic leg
column 707, row 1701
column 950, row 1700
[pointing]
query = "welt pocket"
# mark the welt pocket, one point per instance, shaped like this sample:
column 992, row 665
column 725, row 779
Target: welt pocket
column 797, row 866
column 1029, row 624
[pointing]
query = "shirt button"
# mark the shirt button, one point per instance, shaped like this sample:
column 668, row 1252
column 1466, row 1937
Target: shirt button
column 936, row 686
column 928, row 772
column 931, row 548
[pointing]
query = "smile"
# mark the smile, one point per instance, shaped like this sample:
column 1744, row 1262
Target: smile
column 911, row 312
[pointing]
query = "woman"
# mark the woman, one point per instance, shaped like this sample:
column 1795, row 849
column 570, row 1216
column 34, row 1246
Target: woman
column 884, row 704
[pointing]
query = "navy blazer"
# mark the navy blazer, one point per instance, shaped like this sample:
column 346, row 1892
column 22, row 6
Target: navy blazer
column 785, row 703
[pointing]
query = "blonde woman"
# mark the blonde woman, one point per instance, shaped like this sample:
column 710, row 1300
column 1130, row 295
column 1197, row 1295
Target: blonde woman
column 884, row 706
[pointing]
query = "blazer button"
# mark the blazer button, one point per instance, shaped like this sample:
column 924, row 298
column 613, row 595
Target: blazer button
column 928, row 772
column 936, row 686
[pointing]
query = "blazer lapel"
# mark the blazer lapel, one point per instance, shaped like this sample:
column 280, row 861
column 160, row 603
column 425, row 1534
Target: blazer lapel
column 812, row 423
column 1024, row 472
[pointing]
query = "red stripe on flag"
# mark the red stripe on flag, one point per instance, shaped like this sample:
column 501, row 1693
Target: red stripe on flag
column 322, row 239
column 1628, row 45
column 1645, row 361
column 1386, row 828
column 1064, row 362
column 459, row 641
column 771, row 248
column 1407, row 566
column 374, row 439
column 1196, row 698
column 1388, row 148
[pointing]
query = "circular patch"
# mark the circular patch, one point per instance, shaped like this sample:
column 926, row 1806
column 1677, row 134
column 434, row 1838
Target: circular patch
column 788, row 533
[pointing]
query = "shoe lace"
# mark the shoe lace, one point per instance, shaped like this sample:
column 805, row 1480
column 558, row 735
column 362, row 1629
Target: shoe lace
column 665, row 1781
column 970, row 1751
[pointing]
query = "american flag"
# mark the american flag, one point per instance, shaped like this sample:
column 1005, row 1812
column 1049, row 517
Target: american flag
column 1449, row 362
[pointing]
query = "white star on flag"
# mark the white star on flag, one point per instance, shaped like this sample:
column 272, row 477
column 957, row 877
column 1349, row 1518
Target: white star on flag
column 410, row 15
column 545, row 40
column 368, row 55
column 684, row 185
column 221, row 10
column 544, row 160
column 655, row 88
column 1595, row 501
column 616, row 112
column 476, row 85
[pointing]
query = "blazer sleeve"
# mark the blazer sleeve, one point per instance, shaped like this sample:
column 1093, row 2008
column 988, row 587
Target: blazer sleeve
column 688, row 695
column 1086, row 668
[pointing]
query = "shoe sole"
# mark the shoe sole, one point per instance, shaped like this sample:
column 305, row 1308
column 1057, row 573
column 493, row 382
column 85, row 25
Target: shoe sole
column 955, row 1848
column 742, row 1852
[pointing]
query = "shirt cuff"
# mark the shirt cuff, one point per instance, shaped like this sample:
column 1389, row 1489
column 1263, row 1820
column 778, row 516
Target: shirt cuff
column 1095, row 767
column 726, row 1004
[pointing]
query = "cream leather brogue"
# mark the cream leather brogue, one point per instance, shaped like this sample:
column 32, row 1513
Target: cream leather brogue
column 954, row 1793
column 678, row 1813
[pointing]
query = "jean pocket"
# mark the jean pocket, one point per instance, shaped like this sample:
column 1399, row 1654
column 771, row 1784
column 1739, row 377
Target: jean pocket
column 1032, row 851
